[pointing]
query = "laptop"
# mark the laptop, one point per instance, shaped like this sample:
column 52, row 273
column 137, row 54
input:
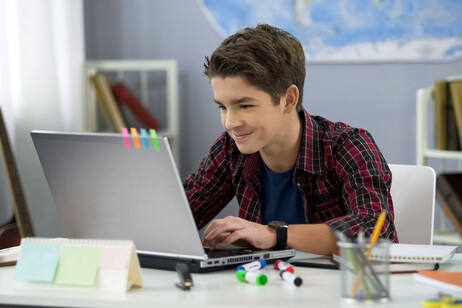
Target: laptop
column 120, row 186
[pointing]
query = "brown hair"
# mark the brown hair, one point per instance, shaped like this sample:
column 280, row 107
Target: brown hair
column 269, row 58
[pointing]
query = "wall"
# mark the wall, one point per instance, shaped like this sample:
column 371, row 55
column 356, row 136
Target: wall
column 377, row 96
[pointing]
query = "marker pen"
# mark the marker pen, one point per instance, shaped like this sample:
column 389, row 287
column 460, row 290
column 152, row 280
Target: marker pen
column 252, row 277
column 283, row 266
column 291, row 278
column 252, row 266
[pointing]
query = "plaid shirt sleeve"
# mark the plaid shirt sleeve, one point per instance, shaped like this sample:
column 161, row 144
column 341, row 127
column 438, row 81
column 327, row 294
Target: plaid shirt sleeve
column 366, row 188
column 210, row 188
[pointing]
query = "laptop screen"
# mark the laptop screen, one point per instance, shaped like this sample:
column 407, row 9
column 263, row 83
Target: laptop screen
column 106, row 188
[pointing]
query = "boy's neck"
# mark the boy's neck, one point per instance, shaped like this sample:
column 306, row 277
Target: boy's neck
column 283, row 156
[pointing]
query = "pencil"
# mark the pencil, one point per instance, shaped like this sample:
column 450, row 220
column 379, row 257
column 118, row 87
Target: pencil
column 373, row 240
column 376, row 232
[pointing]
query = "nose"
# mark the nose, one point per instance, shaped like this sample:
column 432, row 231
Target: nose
column 231, row 120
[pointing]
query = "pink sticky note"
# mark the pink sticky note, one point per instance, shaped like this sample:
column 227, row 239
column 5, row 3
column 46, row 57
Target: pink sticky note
column 114, row 257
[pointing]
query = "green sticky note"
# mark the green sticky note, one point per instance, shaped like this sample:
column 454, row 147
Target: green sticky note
column 37, row 262
column 78, row 266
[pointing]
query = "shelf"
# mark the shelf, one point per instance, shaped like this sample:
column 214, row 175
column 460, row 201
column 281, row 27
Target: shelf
column 443, row 154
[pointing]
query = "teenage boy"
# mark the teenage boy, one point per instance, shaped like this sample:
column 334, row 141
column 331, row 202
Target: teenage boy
column 295, row 176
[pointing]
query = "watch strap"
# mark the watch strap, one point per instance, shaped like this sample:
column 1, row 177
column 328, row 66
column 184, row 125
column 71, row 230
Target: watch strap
column 281, row 234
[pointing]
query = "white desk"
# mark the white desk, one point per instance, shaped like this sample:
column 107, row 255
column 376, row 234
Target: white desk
column 320, row 288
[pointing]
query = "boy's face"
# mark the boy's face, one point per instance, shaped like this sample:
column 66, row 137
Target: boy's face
column 249, row 115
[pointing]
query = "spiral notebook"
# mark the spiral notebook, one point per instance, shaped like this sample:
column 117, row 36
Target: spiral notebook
column 418, row 253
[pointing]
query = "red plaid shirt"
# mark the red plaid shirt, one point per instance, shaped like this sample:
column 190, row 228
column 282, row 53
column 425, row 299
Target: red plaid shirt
column 343, row 178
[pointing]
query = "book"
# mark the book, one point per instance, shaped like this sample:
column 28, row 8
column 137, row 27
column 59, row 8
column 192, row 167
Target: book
column 70, row 264
column 107, row 103
column 316, row 261
column 456, row 97
column 439, row 95
column 9, row 256
column 448, row 281
column 449, row 192
column 446, row 131
column 415, row 253
column 125, row 95
column 395, row 267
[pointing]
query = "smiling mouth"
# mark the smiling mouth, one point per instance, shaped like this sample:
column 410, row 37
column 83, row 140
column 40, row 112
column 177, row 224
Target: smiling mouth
column 240, row 137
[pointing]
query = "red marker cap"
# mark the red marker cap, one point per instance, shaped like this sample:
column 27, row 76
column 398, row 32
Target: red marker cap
column 281, row 265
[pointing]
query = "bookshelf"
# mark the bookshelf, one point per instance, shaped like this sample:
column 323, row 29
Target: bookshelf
column 143, row 68
column 423, row 151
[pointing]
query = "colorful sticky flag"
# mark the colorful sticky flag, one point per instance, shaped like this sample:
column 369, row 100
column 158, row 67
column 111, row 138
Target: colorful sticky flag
column 155, row 142
column 144, row 134
column 126, row 138
column 135, row 137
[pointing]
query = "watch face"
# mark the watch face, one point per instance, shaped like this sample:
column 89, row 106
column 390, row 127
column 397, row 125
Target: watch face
column 276, row 223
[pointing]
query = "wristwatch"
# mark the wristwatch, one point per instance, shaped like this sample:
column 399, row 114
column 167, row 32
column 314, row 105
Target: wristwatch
column 281, row 233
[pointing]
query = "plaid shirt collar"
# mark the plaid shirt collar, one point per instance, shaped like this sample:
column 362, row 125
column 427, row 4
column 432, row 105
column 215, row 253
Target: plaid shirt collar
column 310, row 157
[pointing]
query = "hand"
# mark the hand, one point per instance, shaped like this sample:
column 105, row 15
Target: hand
column 234, row 230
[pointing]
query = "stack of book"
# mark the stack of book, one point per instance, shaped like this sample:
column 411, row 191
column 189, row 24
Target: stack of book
column 447, row 96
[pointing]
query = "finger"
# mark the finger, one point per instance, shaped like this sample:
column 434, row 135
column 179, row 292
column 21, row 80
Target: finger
column 211, row 226
column 234, row 237
column 221, row 227
column 209, row 244
column 212, row 242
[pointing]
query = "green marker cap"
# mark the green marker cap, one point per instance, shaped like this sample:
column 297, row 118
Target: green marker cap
column 262, row 279
column 240, row 274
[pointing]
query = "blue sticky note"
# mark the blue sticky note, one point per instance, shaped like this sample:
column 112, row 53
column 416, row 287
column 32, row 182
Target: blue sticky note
column 37, row 262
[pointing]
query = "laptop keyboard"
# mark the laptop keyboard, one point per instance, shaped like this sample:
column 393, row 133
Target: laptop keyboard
column 221, row 253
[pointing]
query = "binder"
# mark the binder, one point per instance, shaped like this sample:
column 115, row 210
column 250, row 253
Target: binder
column 77, row 264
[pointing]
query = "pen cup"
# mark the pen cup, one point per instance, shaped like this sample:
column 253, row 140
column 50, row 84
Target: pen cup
column 363, row 279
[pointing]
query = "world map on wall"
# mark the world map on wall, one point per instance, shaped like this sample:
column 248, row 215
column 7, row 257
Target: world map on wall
column 352, row 30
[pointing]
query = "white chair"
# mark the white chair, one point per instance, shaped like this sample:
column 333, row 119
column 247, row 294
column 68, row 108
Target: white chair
column 413, row 194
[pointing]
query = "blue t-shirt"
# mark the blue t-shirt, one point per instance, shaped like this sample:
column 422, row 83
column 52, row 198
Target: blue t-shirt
column 281, row 199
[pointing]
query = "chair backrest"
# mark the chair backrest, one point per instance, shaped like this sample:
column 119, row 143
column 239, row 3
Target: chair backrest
column 413, row 194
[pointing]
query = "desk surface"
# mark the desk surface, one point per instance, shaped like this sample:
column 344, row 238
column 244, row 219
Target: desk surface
column 320, row 288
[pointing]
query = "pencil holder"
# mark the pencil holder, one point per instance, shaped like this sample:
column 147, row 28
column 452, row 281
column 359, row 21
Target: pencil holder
column 364, row 278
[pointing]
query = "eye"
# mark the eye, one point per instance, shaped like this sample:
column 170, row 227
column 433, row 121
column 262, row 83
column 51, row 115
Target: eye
column 246, row 106
column 221, row 107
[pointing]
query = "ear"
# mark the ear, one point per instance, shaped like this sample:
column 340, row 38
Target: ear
column 290, row 99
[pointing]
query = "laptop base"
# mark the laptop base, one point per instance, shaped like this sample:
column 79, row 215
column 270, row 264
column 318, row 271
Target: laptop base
column 166, row 263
